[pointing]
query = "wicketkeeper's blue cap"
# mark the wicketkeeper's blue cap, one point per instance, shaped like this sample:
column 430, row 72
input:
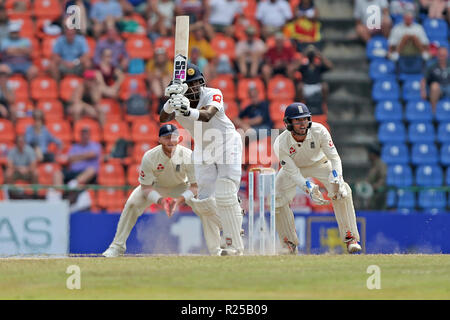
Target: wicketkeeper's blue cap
column 167, row 129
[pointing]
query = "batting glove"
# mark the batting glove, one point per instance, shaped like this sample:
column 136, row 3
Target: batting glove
column 314, row 192
column 181, row 104
column 169, row 106
column 175, row 88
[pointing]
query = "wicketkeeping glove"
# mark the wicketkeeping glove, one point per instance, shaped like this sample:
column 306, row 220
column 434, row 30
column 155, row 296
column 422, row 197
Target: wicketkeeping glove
column 338, row 191
column 314, row 192
column 175, row 88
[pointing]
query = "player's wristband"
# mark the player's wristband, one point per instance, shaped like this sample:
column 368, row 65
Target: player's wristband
column 187, row 195
column 194, row 114
column 154, row 196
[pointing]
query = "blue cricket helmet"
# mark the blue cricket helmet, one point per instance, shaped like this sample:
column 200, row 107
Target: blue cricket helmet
column 296, row 110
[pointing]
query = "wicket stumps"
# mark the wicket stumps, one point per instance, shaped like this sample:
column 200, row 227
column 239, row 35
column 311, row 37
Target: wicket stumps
column 264, row 173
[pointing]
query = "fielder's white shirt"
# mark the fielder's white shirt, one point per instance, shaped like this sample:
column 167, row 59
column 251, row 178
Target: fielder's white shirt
column 294, row 155
column 159, row 170
column 212, row 139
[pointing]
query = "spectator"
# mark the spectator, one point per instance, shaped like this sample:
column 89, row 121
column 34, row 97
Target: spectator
column 249, row 54
column 113, row 42
column 3, row 23
column 6, row 96
column 201, row 62
column 84, row 161
column 102, row 12
column 434, row 9
column 39, row 138
column 109, row 78
column 192, row 8
column 221, row 14
column 222, row 67
column 364, row 18
column 70, row 55
column 16, row 52
column 160, row 22
column 273, row 15
column 312, row 83
column 159, row 72
column 307, row 9
column 200, row 39
column 377, row 179
column 437, row 78
column 255, row 115
column 408, row 40
column 139, row 6
column 279, row 59
column 21, row 163
column 85, row 99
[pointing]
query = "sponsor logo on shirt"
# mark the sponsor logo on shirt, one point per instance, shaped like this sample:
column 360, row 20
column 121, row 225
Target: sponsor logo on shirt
column 217, row 98
column 292, row 151
column 142, row 174
column 330, row 143
column 160, row 167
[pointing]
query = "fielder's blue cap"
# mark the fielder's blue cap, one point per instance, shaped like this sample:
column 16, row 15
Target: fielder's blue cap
column 167, row 129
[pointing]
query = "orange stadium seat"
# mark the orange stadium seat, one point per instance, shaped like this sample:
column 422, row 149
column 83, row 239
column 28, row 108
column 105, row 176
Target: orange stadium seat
column 40, row 24
column 231, row 109
column 94, row 126
column 226, row 84
column 92, row 44
column 52, row 109
column 139, row 47
column 42, row 63
column 22, row 125
column 133, row 174
column 68, row 85
column 224, row 44
column 27, row 29
column 60, row 129
column 115, row 129
column 245, row 84
column 276, row 110
column 280, row 88
column 167, row 43
column 45, row 175
column 111, row 174
column 9, row 4
column 260, row 152
column 144, row 130
column 47, row 46
column 7, row 133
column 23, row 108
column 35, row 48
column 132, row 84
column 242, row 24
column 111, row 108
column 112, row 200
column 139, row 150
column 44, row 87
column 19, row 85
column 249, row 8
column 5, row 146
column 47, row 9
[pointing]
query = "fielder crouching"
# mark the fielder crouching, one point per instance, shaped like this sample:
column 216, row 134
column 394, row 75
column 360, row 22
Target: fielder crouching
column 166, row 171
column 306, row 149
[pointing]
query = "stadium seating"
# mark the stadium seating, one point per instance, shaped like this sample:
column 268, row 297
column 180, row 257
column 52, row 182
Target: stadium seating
column 382, row 69
column 432, row 200
column 133, row 174
column 19, row 86
column 443, row 133
column 60, row 129
column 424, row 153
column 112, row 200
column 419, row 110
column 395, row 153
column 445, row 154
column 144, row 130
column 399, row 176
column 231, row 109
column 68, row 86
column 385, row 90
column 443, row 110
column 280, row 88
column 46, row 173
column 139, row 47
column 226, row 84
column 421, row 131
column 429, row 176
column 388, row 111
column 22, row 125
column 115, row 129
column 403, row 200
column 111, row 174
column 168, row 43
column 436, row 28
column 94, row 126
column 52, row 109
column 411, row 90
column 140, row 149
column 245, row 84
column 225, row 45
column 111, row 109
column 44, row 87
column 392, row 131
column 7, row 132
column 50, row 9
column 377, row 47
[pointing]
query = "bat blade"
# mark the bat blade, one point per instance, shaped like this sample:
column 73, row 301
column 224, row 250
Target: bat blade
column 181, row 48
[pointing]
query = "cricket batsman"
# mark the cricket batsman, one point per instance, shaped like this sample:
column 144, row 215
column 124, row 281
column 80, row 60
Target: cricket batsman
column 217, row 151
column 166, row 172
column 306, row 149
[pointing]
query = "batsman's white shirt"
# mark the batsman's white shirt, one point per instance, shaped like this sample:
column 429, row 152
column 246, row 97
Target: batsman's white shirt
column 164, row 173
column 317, row 146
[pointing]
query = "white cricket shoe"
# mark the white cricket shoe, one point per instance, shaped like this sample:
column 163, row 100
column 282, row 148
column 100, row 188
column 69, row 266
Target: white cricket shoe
column 231, row 252
column 113, row 252
column 352, row 245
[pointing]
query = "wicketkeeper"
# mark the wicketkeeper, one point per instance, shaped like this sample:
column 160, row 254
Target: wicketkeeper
column 166, row 172
column 306, row 149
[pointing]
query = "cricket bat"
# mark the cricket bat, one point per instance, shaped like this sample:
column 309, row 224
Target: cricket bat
column 181, row 49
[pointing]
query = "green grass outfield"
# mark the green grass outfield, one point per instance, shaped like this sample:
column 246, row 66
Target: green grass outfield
column 247, row 277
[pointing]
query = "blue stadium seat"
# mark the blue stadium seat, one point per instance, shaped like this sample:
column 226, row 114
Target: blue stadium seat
column 382, row 69
column 377, row 47
column 399, row 176
column 410, row 76
column 391, row 199
column 421, row 131
column 406, row 199
column 385, row 90
column 429, row 176
column 411, row 90
column 389, row 111
column 136, row 66
column 443, row 133
column 436, row 28
column 392, row 131
column 447, row 176
column 445, row 154
column 395, row 153
column 424, row 153
column 412, row 65
column 431, row 200
column 443, row 110
column 418, row 110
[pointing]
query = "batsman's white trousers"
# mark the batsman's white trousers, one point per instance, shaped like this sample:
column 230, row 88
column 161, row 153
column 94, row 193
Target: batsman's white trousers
column 343, row 209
